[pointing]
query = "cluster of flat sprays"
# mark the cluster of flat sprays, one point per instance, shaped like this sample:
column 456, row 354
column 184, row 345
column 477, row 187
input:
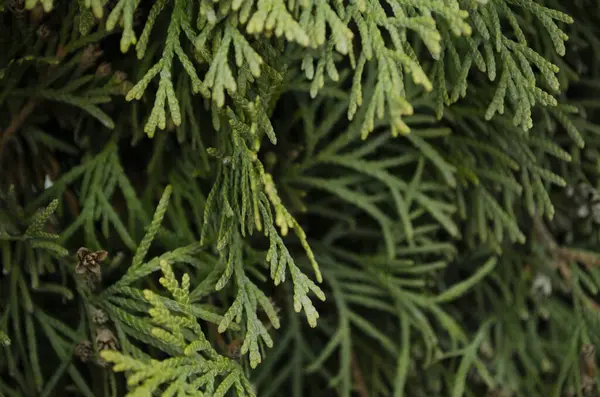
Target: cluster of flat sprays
column 89, row 271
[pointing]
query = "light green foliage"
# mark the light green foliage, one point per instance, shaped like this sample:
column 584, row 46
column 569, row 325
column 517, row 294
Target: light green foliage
column 248, row 194
column 198, row 370
column 465, row 29
column 180, row 21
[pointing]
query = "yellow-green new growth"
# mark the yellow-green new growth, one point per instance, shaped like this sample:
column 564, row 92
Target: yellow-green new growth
column 198, row 370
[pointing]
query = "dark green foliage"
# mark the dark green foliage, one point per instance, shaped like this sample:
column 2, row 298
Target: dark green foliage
column 299, row 197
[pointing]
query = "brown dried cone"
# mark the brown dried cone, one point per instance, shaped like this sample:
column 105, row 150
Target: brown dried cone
column 88, row 267
column 587, row 368
column 105, row 340
column 89, row 261
column 84, row 350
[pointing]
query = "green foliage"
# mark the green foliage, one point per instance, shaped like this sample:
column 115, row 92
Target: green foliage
column 198, row 370
column 418, row 179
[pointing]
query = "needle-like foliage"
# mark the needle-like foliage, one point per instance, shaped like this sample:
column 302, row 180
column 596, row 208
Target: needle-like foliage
column 365, row 198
